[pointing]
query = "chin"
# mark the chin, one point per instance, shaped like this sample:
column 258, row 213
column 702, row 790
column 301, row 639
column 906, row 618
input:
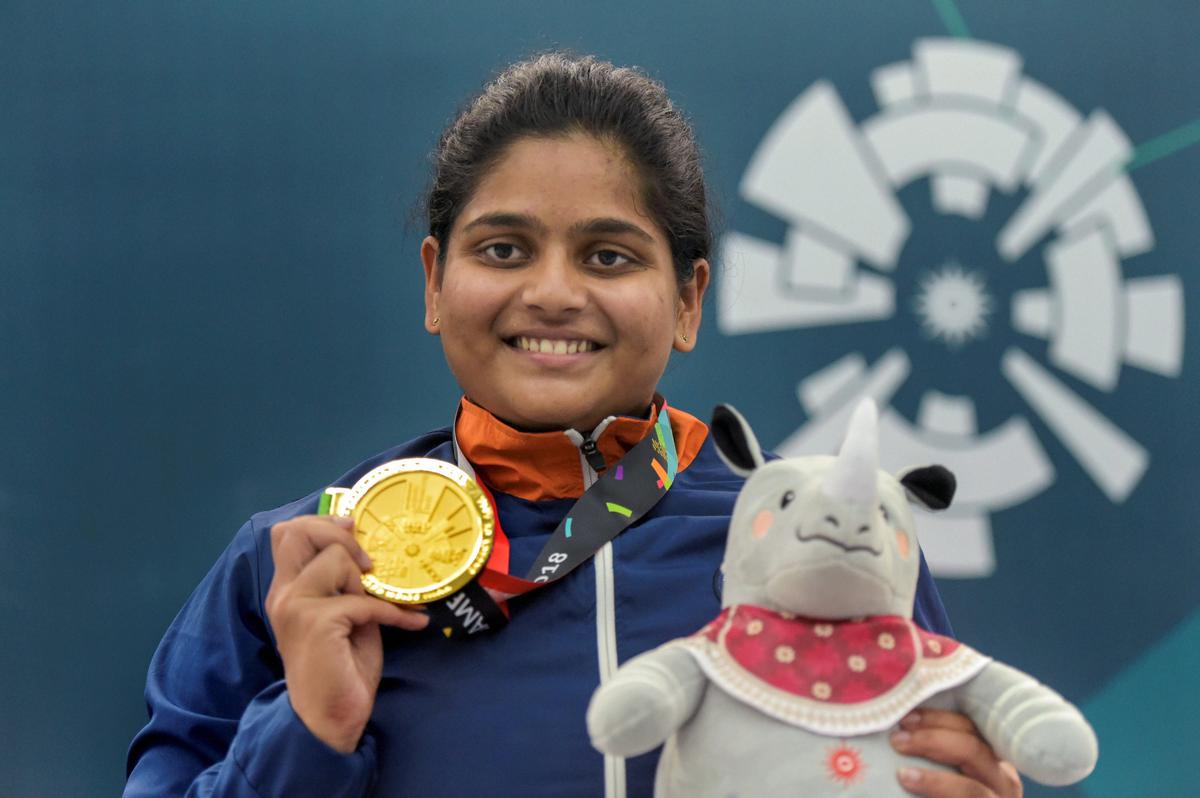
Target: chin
column 543, row 416
column 538, row 405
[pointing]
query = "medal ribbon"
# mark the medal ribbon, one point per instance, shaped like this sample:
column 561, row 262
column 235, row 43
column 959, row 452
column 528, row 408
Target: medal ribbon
column 619, row 498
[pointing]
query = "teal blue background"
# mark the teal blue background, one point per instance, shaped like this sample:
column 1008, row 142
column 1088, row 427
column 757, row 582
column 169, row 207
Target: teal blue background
column 210, row 304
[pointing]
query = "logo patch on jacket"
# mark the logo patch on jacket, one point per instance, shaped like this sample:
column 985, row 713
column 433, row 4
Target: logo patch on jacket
column 829, row 677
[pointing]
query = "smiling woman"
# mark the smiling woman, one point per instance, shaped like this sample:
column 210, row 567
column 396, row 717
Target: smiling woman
column 567, row 257
column 558, row 307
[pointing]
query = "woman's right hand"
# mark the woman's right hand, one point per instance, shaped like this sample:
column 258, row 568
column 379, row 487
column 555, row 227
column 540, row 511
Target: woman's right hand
column 327, row 627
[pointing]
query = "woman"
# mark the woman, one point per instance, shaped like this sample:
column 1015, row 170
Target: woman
column 567, row 257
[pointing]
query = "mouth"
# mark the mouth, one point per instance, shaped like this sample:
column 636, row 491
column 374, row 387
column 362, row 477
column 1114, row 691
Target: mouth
column 553, row 346
column 838, row 543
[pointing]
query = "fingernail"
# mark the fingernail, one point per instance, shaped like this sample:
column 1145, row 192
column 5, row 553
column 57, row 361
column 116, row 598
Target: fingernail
column 344, row 521
column 911, row 720
column 901, row 738
column 909, row 777
column 364, row 561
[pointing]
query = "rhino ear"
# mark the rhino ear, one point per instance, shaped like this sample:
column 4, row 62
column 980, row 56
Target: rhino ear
column 931, row 486
column 735, row 441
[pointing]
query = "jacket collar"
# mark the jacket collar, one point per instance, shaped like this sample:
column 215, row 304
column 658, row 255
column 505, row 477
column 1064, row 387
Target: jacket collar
column 538, row 466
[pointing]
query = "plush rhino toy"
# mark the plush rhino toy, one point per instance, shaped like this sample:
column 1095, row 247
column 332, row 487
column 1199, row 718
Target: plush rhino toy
column 796, row 686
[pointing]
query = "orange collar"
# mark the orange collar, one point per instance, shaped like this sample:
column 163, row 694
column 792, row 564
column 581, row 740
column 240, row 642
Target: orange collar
column 547, row 465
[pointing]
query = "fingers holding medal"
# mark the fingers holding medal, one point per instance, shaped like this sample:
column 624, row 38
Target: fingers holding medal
column 297, row 542
column 318, row 557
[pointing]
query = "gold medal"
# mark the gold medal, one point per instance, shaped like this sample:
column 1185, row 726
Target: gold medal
column 425, row 524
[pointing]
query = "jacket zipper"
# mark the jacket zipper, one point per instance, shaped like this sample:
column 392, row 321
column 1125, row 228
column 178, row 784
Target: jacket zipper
column 592, row 456
column 591, row 463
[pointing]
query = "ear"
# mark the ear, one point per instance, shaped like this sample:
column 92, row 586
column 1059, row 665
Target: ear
column 932, row 487
column 735, row 441
column 433, row 282
column 691, row 302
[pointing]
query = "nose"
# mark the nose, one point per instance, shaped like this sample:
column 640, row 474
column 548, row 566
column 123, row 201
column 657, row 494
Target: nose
column 555, row 286
column 848, row 524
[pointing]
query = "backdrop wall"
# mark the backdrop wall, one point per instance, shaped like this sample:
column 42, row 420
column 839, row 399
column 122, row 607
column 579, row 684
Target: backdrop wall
column 982, row 214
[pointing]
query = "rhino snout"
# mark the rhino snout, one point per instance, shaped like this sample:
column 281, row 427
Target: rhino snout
column 822, row 536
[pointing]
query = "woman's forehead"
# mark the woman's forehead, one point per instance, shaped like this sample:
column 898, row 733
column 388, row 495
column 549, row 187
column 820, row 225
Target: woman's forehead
column 573, row 184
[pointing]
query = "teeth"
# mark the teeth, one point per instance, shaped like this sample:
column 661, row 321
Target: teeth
column 554, row 346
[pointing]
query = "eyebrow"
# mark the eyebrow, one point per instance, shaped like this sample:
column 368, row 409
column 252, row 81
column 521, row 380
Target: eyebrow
column 523, row 221
column 611, row 227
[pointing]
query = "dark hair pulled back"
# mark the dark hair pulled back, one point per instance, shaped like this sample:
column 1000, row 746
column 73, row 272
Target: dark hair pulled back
column 557, row 94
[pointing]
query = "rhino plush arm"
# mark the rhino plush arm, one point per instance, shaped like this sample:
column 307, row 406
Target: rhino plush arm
column 1030, row 725
column 647, row 699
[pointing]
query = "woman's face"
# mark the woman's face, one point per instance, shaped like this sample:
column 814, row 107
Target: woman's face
column 557, row 304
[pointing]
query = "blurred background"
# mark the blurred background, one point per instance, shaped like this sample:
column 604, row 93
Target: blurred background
column 982, row 214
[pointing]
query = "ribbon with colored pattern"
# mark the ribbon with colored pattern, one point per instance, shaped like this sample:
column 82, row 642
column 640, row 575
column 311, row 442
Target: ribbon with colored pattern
column 619, row 498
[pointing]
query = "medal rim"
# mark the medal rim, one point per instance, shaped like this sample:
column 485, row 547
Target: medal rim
column 347, row 501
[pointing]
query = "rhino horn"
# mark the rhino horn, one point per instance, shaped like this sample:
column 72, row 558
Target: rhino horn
column 854, row 474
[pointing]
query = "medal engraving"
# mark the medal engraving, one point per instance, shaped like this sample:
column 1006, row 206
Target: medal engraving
column 426, row 525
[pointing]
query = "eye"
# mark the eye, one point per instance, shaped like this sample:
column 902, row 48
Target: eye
column 887, row 518
column 609, row 258
column 787, row 499
column 503, row 252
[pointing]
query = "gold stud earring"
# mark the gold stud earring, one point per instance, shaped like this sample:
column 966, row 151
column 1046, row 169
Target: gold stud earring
column 436, row 319
column 685, row 338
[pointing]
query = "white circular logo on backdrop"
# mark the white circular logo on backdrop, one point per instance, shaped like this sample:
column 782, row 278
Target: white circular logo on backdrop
column 961, row 114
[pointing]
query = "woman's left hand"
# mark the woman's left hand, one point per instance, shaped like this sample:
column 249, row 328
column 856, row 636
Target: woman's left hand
column 952, row 739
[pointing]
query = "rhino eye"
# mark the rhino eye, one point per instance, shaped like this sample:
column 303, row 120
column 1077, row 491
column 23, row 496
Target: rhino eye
column 887, row 519
column 787, row 499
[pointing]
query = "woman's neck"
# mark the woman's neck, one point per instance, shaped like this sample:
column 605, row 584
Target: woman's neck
column 645, row 411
